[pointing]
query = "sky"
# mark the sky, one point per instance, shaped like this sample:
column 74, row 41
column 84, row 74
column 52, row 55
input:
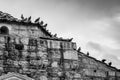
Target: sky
column 94, row 24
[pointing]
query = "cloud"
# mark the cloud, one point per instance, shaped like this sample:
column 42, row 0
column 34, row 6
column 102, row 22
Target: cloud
column 96, row 8
column 110, row 30
column 95, row 46
column 114, row 30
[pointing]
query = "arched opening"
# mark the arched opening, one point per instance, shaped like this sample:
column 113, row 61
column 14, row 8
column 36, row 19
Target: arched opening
column 4, row 30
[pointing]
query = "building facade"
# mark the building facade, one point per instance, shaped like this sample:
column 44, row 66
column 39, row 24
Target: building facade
column 28, row 51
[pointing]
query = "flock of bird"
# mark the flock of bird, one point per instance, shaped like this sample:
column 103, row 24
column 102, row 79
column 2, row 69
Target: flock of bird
column 36, row 21
column 27, row 20
column 41, row 23
column 103, row 60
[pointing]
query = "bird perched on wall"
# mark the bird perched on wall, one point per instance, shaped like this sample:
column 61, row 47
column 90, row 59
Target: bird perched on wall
column 88, row 53
column 45, row 25
column 25, row 19
column 103, row 60
column 29, row 19
column 55, row 35
column 22, row 17
column 41, row 23
column 110, row 63
column 37, row 20
column 79, row 49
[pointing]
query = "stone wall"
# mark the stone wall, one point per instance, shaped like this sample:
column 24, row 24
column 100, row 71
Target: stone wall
column 35, row 57
column 23, row 51
column 97, row 70
column 24, row 30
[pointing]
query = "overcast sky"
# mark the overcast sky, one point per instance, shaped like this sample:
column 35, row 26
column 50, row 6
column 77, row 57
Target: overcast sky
column 94, row 24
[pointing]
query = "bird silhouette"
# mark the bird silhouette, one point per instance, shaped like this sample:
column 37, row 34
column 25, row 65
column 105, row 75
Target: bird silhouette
column 103, row 60
column 45, row 25
column 55, row 35
column 25, row 19
column 79, row 49
column 110, row 63
column 88, row 53
column 22, row 17
column 29, row 19
column 37, row 20
column 41, row 23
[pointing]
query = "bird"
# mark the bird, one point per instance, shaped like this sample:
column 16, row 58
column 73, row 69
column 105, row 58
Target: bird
column 103, row 60
column 22, row 17
column 110, row 63
column 79, row 49
column 37, row 20
column 41, row 23
column 55, row 35
column 45, row 25
column 88, row 53
column 29, row 19
column 25, row 19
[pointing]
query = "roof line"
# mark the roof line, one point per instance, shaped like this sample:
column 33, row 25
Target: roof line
column 99, row 61
column 58, row 39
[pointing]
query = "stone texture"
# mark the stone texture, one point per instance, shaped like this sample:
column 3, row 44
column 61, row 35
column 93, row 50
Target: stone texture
column 28, row 49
